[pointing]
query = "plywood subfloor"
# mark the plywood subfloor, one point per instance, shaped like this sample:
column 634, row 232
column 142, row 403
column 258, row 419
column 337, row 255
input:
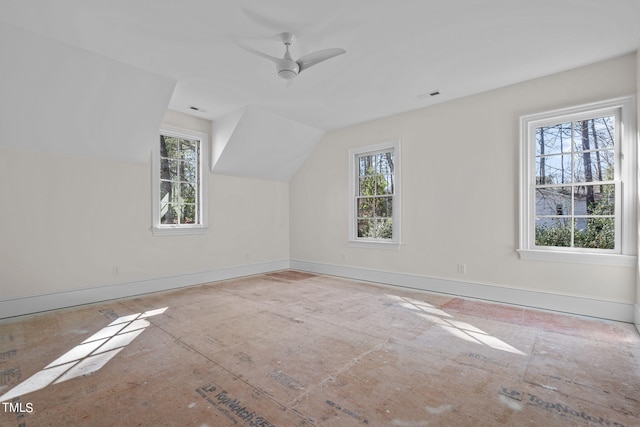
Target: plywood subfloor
column 297, row 349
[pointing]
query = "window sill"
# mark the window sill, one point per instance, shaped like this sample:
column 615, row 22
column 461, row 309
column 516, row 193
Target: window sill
column 178, row 230
column 578, row 258
column 375, row 244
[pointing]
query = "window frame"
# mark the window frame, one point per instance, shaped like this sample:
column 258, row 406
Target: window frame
column 354, row 154
column 201, row 226
column 625, row 147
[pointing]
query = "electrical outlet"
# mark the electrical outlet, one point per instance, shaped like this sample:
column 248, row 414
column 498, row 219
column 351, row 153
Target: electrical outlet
column 115, row 270
column 462, row 268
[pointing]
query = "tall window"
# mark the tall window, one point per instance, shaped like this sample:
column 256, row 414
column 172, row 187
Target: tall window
column 178, row 179
column 578, row 178
column 375, row 195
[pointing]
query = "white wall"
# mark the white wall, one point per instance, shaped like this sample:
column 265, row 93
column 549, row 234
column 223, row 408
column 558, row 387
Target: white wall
column 67, row 220
column 99, row 107
column 460, row 196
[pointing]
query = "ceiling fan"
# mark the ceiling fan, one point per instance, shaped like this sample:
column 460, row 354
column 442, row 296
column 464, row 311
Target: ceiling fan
column 286, row 66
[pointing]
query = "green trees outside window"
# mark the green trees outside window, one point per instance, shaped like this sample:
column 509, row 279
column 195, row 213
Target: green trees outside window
column 179, row 180
column 374, row 195
column 575, row 191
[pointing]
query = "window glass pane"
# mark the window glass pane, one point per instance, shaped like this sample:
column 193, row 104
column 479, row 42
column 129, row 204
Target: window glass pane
column 364, row 162
column 165, row 191
column 188, row 149
column 383, row 163
column 376, row 174
column 375, row 228
column 390, row 184
column 365, row 228
column 173, row 169
column 367, row 165
column 164, row 207
column 373, row 185
column 375, row 164
column 366, row 207
column 383, row 228
column 188, row 171
column 554, row 169
column 594, row 165
column 596, row 233
column 174, row 196
column 594, row 134
column 169, row 146
column 368, row 185
column 169, row 214
column 604, row 129
column 553, row 201
column 553, row 232
column 553, row 139
column 168, row 168
column 605, row 199
column 595, row 200
column 188, row 214
column 387, row 181
column 188, row 193
column 379, row 184
column 384, row 206
column 389, row 161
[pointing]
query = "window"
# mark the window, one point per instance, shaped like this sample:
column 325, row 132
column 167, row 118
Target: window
column 178, row 185
column 578, row 184
column 375, row 195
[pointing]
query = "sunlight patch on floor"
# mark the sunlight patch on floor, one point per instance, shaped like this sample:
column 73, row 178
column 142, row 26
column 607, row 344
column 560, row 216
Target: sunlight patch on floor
column 88, row 356
column 464, row 331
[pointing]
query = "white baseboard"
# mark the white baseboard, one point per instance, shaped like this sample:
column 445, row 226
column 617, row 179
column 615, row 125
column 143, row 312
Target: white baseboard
column 39, row 303
column 623, row 312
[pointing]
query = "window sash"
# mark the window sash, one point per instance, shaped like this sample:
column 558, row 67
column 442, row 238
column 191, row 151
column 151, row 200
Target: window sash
column 178, row 183
column 183, row 186
column 578, row 218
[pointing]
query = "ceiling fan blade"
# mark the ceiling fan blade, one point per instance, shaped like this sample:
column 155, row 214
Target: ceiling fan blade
column 317, row 57
column 278, row 61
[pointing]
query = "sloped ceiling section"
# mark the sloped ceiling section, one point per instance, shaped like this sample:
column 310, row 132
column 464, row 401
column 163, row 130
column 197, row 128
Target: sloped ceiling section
column 64, row 99
column 253, row 142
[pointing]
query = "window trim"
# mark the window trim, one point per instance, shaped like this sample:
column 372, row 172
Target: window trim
column 180, row 229
column 628, row 164
column 395, row 242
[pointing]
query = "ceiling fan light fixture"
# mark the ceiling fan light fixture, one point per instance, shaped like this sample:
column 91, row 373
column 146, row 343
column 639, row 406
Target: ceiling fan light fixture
column 287, row 74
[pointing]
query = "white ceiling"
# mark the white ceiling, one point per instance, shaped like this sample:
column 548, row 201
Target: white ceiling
column 396, row 50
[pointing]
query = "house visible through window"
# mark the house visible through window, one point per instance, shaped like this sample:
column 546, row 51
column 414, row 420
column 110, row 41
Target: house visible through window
column 574, row 165
column 178, row 189
column 576, row 184
column 375, row 195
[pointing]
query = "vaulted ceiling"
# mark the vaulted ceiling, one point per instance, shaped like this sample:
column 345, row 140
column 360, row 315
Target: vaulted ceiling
column 397, row 53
